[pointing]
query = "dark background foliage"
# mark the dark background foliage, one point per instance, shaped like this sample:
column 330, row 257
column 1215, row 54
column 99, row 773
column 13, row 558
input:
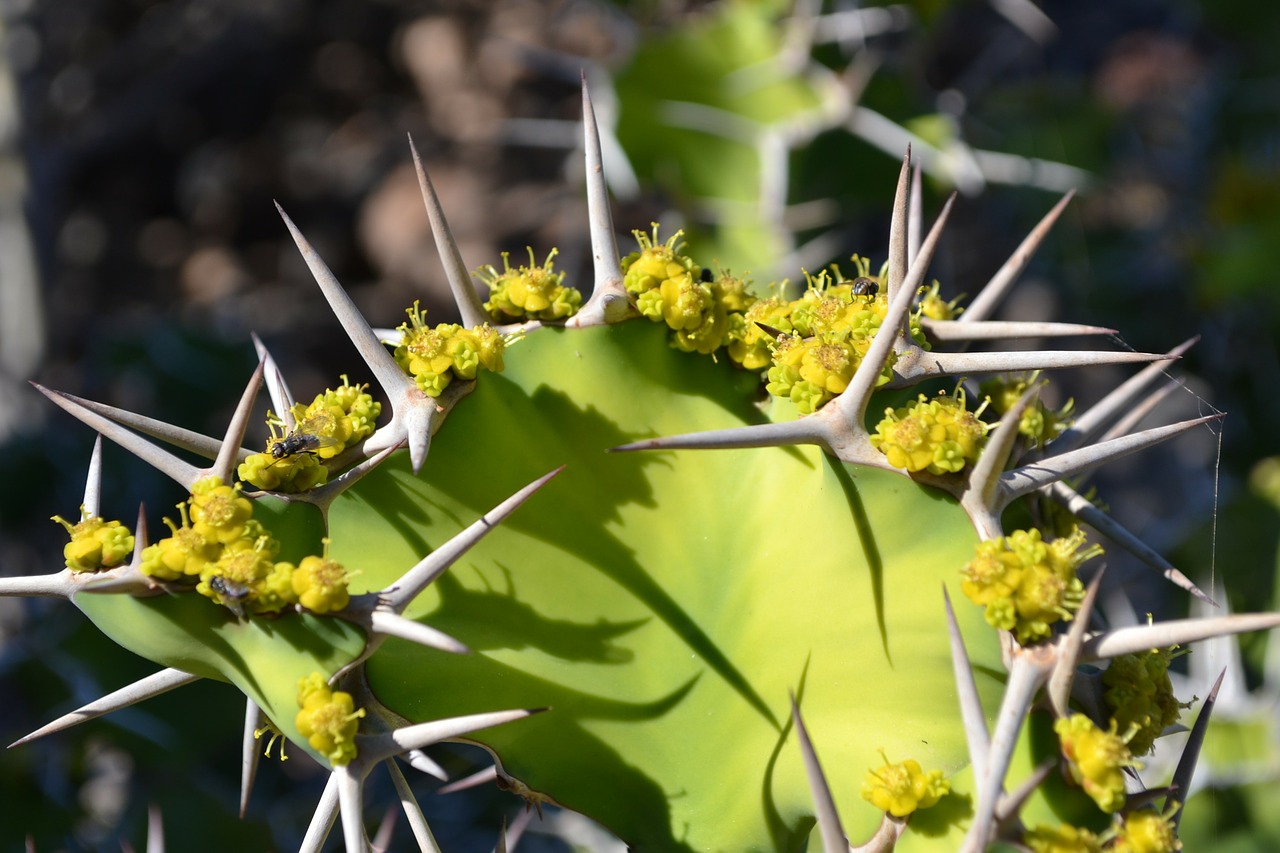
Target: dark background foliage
column 143, row 143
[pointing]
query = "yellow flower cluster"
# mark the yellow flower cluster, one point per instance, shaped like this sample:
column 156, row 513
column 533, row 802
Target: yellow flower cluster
column 810, row 346
column 749, row 344
column 328, row 719
column 830, row 328
column 1140, row 695
column 95, row 544
column 528, row 293
column 668, row 287
column 1141, row 832
column 1025, row 583
column 934, row 434
column 1147, row 832
column 1039, row 423
column 1096, row 759
column 434, row 357
column 332, row 422
column 321, row 584
column 229, row 557
column 902, row 788
column 1064, row 838
column 933, row 306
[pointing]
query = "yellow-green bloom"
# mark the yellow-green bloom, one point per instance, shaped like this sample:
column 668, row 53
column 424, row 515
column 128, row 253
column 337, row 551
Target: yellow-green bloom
column 247, row 579
column 296, row 473
column 1025, row 583
column 934, row 434
column 902, row 788
column 657, row 263
column 218, row 512
column 814, row 370
column 434, row 356
column 185, row 553
column 528, row 293
column 320, row 584
column 1146, row 832
column 933, row 306
column 1062, row 839
column 332, row 422
column 1096, row 759
column 750, row 345
column 1039, row 423
column 328, row 719
column 729, row 301
column 1140, row 696
column 95, row 544
column 361, row 409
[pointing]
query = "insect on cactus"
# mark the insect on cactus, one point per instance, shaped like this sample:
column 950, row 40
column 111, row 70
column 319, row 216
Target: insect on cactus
column 654, row 592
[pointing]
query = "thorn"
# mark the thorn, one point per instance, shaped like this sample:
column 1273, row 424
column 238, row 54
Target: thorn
column 1001, row 283
column 387, row 624
column 418, row 735
column 250, row 754
column 225, row 465
column 948, row 331
column 1028, row 478
column 282, row 398
column 1176, row 632
column 1090, row 423
column 410, row 585
column 163, row 461
column 608, row 302
column 480, row 777
column 1180, row 787
column 1084, row 510
column 464, row 294
column 1027, row 672
column 92, row 503
column 139, row 691
column 898, row 229
column 1064, row 669
column 412, row 811
column 975, row 722
column 917, row 363
column 982, row 495
column 390, row 378
column 833, row 838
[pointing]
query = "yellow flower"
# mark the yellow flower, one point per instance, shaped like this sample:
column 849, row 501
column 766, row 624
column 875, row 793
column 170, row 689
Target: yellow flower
column 1096, row 759
column 95, row 544
column 218, row 512
column 1062, row 839
column 937, row 434
column 328, row 719
column 902, row 788
column 528, row 293
column 656, row 263
column 1140, row 696
column 1027, row 585
column 185, row 553
column 321, row 585
column 1146, row 832
column 433, row 357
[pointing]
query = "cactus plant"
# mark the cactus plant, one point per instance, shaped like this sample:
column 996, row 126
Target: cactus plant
column 655, row 593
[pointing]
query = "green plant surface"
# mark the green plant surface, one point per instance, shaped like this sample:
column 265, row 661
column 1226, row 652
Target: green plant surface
column 664, row 605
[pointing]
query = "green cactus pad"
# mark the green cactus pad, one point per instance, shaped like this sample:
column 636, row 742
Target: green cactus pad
column 665, row 604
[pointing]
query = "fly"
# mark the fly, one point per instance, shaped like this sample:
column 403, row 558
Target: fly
column 305, row 438
column 863, row 286
column 232, row 594
column 300, row 442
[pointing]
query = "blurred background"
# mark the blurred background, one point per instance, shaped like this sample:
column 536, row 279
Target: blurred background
column 143, row 143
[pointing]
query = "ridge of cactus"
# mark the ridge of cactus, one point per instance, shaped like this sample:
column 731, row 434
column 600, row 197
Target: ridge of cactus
column 740, row 568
